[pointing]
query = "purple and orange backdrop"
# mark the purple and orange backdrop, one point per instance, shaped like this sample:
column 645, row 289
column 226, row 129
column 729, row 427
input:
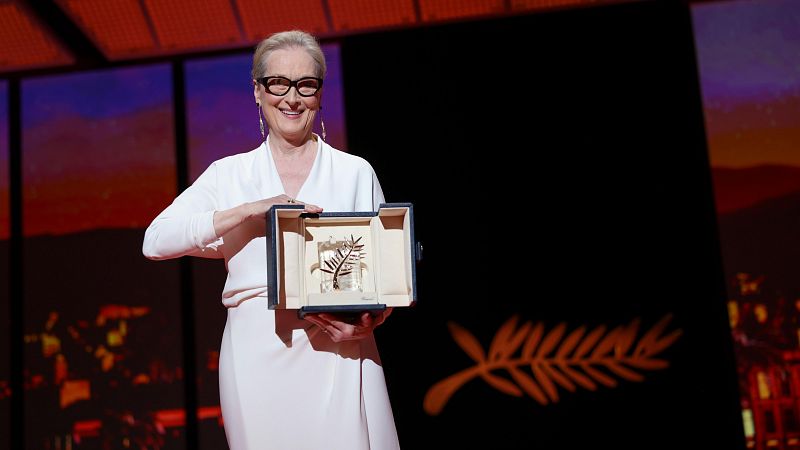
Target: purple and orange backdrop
column 747, row 54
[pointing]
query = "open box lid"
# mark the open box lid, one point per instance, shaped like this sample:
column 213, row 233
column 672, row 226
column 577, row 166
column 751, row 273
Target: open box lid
column 387, row 268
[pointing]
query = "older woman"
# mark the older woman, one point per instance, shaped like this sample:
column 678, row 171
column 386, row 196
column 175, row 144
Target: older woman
column 285, row 383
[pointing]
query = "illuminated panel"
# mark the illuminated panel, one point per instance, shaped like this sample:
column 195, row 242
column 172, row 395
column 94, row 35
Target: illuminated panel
column 26, row 44
column 5, row 350
column 432, row 10
column 262, row 18
column 359, row 14
column 118, row 28
column 102, row 325
column 545, row 4
column 99, row 154
column 221, row 114
column 184, row 24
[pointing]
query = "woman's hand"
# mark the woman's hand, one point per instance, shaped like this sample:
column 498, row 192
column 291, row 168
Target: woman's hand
column 259, row 208
column 225, row 221
column 339, row 329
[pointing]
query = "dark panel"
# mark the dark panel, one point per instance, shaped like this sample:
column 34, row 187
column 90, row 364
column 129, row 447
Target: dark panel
column 588, row 124
column 5, row 307
column 208, row 277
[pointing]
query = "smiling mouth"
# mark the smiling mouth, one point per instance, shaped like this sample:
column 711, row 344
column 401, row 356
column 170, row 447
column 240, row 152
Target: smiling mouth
column 289, row 113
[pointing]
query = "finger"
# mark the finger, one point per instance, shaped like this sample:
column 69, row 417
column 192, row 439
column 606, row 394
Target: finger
column 382, row 317
column 312, row 208
column 313, row 319
column 330, row 318
column 344, row 331
column 322, row 324
column 367, row 320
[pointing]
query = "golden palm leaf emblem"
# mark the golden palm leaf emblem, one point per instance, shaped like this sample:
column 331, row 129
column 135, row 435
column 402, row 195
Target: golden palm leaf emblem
column 580, row 359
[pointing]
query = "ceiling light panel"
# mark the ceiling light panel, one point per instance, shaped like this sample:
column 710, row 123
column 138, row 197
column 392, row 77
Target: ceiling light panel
column 26, row 43
column 350, row 15
column 118, row 28
column 261, row 18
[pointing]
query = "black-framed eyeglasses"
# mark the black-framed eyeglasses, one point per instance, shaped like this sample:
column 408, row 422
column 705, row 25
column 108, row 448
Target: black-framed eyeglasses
column 306, row 86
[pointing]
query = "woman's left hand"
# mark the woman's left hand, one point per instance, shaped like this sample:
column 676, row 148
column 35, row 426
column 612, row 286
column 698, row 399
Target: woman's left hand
column 339, row 329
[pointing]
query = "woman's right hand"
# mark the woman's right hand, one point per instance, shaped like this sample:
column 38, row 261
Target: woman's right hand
column 258, row 209
column 225, row 221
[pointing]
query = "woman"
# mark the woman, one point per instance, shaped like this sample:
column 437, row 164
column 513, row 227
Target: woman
column 285, row 383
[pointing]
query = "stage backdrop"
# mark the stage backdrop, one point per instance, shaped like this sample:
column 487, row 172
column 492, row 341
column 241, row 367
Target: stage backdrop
column 98, row 164
column 571, row 292
column 752, row 104
column 601, row 319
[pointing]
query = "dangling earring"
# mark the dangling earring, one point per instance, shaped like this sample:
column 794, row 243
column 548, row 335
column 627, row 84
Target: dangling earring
column 261, row 122
column 322, row 123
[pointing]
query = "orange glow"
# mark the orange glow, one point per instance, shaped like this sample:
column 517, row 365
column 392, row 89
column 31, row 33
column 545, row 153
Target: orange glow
column 87, row 428
column 61, row 369
column 212, row 363
column 118, row 28
column 186, row 24
column 761, row 313
column 73, row 391
column 106, row 358
column 261, row 18
column 432, row 10
column 26, row 44
column 52, row 318
column 361, row 14
column 35, row 382
column 733, row 313
column 570, row 367
column 739, row 188
column 209, row 412
column 140, row 379
column 114, row 338
column 117, row 312
column 170, row 418
column 749, row 285
column 50, row 345
column 544, row 4
column 743, row 135
column 97, row 194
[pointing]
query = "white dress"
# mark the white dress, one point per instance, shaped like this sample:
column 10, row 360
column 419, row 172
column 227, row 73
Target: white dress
column 283, row 383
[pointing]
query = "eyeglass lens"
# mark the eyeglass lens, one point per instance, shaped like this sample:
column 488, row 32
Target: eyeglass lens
column 306, row 87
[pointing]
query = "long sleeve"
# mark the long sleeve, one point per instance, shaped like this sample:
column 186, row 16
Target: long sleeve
column 186, row 227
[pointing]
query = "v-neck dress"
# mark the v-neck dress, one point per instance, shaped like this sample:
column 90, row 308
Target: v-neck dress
column 283, row 383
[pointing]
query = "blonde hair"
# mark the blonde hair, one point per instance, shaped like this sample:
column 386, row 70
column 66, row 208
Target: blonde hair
column 286, row 40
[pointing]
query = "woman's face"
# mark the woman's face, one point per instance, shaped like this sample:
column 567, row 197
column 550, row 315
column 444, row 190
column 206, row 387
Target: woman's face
column 290, row 116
